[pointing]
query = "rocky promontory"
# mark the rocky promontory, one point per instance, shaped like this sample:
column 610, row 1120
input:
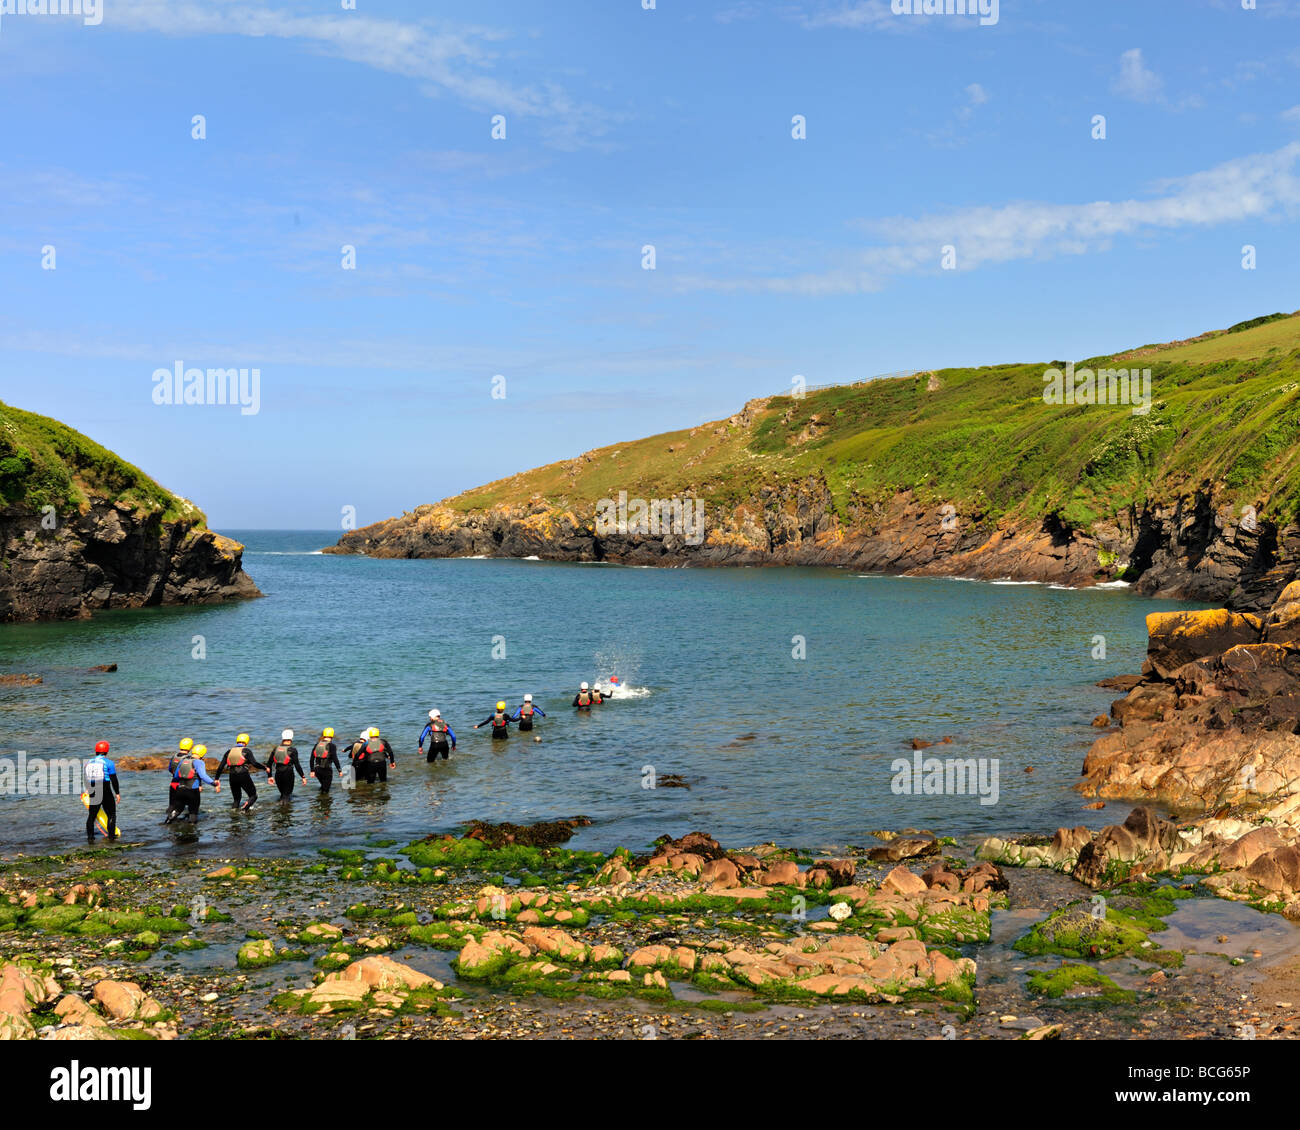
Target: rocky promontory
column 965, row 472
column 83, row 530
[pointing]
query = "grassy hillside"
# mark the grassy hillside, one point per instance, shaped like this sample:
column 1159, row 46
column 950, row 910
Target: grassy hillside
column 46, row 463
column 1225, row 411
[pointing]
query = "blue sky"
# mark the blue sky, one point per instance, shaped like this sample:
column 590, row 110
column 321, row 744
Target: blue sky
column 523, row 257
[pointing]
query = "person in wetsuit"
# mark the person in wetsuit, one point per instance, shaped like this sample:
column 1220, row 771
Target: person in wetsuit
column 100, row 776
column 373, row 758
column 325, row 760
column 584, row 699
column 240, row 763
column 500, row 722
column 283, row 765
column 524, row 715
column 438, row 733
column 189, row 775
column 598, row 696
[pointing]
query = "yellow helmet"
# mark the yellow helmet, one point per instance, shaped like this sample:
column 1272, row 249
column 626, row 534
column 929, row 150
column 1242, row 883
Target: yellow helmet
column 186, row 745
column 242, row 739
column 501, row 705
column 200, row 751
column 328, row 732
column 374, row 731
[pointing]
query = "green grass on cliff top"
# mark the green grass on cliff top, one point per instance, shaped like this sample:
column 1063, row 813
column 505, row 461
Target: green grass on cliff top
column 46, row 463
column 1225, row 413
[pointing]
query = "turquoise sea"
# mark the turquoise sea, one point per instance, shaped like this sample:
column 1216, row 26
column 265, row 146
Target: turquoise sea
column 797, row 750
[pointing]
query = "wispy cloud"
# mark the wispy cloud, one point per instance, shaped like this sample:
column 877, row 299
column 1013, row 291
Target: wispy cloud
column 1253, row 187
column 456, row 61
column 1136, row 80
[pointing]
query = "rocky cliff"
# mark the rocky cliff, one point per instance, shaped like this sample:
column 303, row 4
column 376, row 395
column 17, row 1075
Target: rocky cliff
column 82, row 530
column 113, row 557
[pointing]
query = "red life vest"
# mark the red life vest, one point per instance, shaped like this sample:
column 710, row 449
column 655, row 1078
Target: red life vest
column 281, row 756
column 584, row 698
column 235, row 757
column 499, row 720
column 185, row 770
column 438, row 727
column 322, row 751
column 375, row 749
column 526, row 711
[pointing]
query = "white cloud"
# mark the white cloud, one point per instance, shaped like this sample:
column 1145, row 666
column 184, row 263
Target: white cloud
column 862, row 16
column 457, row 61
column 1292, row 116
column 1253, row 187
column 977, row 94
column 1135, row 80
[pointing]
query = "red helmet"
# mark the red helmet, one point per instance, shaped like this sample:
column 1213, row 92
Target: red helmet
column 101, row 747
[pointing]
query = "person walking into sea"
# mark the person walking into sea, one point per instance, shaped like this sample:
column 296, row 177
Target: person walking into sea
column 372, row 760
column 598, row 696
column 500, row 722
column 524, row 715
column 584, row 699
column 283, row 765
column 189, row 775
column 102, row 792
column 240, row 763
column 438, row 733
column 325, row 760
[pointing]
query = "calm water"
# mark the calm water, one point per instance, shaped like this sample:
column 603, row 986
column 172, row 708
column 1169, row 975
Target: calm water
column 773, row 747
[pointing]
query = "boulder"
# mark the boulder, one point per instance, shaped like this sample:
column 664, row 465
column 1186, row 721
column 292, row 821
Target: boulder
column 1178, row 638
column 125, row 1000
column 383, row 973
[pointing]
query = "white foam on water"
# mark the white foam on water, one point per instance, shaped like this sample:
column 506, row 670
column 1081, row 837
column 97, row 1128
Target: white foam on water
column 534, row 557
column 284, row 553
column 1015, row 582
column 1114, row 585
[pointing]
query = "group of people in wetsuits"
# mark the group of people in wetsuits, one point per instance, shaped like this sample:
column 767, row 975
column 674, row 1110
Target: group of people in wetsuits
column 369, row 758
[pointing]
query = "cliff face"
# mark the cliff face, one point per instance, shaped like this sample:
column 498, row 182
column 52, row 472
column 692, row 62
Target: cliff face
column 1187, row 549
column 113, row 556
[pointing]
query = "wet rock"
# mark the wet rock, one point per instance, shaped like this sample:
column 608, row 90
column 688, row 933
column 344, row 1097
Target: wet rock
column 125, row 1000
column 382, row 973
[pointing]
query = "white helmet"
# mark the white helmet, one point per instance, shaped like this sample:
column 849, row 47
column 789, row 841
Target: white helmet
column 583, row 687
column 528, row 698
column 365, row 733
column 286, row 736
column 434, row 714
column 596, row 687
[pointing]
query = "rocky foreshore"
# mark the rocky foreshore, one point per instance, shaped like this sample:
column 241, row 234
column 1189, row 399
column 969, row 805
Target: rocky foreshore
column 113, row 556
column 492, row 935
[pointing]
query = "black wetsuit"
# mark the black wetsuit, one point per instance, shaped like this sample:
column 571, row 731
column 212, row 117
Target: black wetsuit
column 324, row 761
column 241, row 776
column 103, row 794
column 284, row 766
column 588, row 695
column 437, row 732
column 372, row 760
column 500, row 724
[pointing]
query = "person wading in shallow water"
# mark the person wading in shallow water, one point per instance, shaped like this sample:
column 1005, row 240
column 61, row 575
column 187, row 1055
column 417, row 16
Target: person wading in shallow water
column 103, row 791
column 373, row 757
column 524, row 715
column 500, row 722
column 584, row 699
column 438, row 732
column 325, row 760
column 283, row 765
column 189, row 775
column 240, row 762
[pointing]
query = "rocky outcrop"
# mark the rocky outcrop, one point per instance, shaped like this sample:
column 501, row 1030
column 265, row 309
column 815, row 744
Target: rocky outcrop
column 1214, row 719
column 111, row 556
